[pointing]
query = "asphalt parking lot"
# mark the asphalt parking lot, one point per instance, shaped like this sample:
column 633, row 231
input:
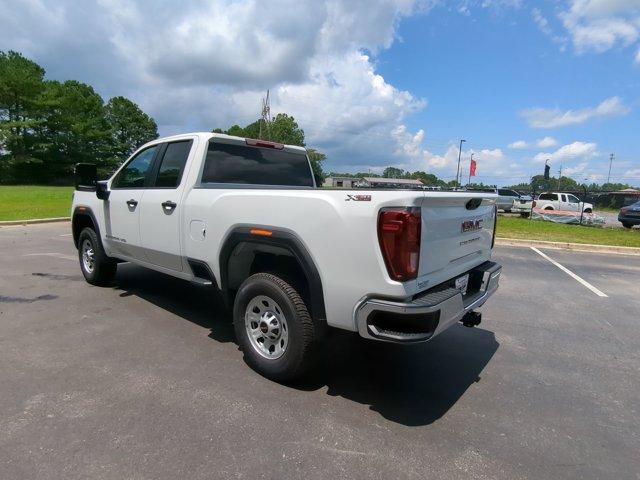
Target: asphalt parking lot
column 143, row 380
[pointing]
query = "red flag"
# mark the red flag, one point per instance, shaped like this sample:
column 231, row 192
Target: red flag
column 472, row 168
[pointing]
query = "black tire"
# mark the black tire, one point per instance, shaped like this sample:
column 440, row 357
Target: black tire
column 301, row 349
column 588, row 210
column 103, row 268
column 627, row 225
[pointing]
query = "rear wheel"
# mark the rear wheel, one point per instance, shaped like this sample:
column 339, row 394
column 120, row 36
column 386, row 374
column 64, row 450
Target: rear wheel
column 274, row 329
column 97, row 267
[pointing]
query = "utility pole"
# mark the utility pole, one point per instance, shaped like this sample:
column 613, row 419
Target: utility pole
column 458, row 172
column 559, row 177
column 611, row 157
column 470, row 163
column 266, row 117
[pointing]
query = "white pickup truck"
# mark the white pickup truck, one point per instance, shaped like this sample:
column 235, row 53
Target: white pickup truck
column 245, row 216
column 562, row 202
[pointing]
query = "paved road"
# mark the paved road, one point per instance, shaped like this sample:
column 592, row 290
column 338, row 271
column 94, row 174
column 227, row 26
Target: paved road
column 143, row 380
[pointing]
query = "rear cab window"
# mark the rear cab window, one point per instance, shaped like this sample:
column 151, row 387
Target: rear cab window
column 229, row 163
column 172, row 164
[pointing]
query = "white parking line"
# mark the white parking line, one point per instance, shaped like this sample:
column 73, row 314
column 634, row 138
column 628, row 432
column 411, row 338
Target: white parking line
column 571, row 274
column 51, row 254
column 66, row 235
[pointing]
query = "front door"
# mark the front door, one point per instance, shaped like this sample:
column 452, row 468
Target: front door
column 122, row 210
column 160, row 210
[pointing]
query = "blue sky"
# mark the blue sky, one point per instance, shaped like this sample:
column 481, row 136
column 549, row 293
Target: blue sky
column 478, row 71
column 372, row 82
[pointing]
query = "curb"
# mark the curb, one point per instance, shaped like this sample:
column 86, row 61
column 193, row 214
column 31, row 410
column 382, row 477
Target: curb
column 577, row 247
column 34, row 221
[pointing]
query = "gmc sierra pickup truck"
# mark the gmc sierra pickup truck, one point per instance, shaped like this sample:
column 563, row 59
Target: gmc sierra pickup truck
column 245, row 216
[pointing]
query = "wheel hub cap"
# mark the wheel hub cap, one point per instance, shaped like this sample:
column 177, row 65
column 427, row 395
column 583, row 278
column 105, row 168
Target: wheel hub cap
column 266, row 327
column 88, row 256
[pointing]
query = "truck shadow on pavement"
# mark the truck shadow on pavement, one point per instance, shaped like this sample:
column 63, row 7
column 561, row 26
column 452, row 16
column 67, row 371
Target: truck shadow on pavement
column 411, row 385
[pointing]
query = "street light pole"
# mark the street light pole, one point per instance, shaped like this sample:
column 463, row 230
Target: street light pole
column 458, row 172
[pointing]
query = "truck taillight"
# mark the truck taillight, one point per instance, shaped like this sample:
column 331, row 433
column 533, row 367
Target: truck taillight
column 399, row 232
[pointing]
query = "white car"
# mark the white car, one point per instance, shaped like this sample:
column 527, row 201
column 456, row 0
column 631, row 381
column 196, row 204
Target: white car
column 244, row 216
column 561, row 201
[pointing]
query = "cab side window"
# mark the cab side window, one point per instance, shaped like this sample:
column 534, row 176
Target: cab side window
column 172, row 164
column 135, row 173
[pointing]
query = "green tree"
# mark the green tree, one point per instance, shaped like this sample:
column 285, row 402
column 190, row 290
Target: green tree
column 284, row 129
column 75, row 129
column 129, row 127
column 21, row 85
column 393, row 172
column 428, row 179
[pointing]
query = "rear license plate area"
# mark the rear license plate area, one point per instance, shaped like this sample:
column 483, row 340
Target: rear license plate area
column 462, row 283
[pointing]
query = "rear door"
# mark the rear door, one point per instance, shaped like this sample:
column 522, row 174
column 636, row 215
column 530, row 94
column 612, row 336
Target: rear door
column 159, row 209
column 456, row 235
column 122, row 210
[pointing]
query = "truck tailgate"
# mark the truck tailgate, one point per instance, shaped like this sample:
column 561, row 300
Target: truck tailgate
column 455, row 236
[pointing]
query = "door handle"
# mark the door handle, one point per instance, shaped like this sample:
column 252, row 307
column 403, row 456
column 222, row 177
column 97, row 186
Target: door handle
column 169, row 205
column 132, row 203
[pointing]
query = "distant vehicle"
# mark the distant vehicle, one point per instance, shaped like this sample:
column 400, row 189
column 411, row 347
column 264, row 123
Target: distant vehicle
column 523, row 205
column 507, row 199
column 630, row 215
column 561, row 201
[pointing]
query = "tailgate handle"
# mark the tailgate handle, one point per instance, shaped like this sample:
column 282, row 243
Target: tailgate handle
column 473, row 203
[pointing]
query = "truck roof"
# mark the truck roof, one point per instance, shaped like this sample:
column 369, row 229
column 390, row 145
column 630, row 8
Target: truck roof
column 222, row 136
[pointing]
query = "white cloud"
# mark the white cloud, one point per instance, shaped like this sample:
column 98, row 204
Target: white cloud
column 599, row 25
column 554, row 117
column 518, row 145
column 546, row 142
column 575, row 170
column 637, row 59
column 545, row 27
column 207, row 64
column 571, row 151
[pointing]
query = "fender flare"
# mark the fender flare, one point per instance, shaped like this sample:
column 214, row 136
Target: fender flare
column 279, row 238
column 82, row 210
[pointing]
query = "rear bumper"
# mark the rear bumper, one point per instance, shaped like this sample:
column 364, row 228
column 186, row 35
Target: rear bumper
column 627, row 219
column 427, row 314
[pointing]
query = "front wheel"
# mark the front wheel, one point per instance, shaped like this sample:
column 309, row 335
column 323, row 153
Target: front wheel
column 97, row 267
column 627, row 225
column 274, row 329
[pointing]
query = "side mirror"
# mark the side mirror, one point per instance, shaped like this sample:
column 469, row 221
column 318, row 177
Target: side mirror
column 86, row 176
column 102, row 190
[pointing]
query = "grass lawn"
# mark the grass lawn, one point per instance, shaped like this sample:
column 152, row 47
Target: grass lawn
column 33, row 201
column 523, row 228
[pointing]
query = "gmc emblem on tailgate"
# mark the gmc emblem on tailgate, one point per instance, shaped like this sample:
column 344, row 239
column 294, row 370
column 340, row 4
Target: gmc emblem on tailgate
column 472, row 225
